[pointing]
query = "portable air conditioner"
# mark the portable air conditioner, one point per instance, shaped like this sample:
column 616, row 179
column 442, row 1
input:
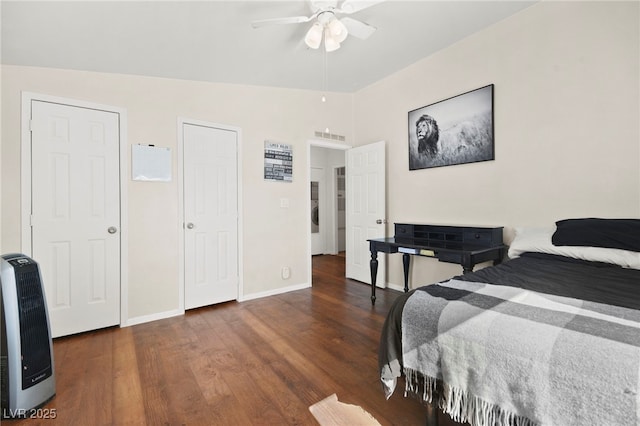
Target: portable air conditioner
column 27, row 372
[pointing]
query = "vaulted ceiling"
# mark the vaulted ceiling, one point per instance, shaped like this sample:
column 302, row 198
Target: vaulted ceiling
column 214, row 40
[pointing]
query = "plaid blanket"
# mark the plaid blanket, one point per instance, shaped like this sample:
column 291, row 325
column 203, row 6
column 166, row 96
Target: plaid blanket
column 508, row 356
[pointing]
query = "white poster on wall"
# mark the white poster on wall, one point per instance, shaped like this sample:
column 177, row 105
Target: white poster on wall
column 150, row 163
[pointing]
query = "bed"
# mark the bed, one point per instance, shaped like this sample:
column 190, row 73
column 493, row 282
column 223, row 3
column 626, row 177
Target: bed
column 549, row 337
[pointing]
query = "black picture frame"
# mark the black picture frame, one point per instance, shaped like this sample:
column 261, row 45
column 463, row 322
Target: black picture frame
column 457, row 130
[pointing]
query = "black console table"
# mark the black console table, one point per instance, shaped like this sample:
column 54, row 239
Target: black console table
column 463, row 245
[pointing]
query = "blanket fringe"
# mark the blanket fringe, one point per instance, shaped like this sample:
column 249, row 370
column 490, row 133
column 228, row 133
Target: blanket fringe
column 413, row 385
column 458, row 404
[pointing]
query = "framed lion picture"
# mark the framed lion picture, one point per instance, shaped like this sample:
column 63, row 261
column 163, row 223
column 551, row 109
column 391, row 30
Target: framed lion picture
column 456, row 130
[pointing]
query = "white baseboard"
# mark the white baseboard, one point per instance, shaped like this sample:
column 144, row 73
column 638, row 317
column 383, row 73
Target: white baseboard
column 396, row 287
column 177, row 312
column 153, row 317
column 273, row 292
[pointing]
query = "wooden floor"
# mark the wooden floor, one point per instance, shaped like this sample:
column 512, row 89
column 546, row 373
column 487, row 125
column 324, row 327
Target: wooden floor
column 260, row 362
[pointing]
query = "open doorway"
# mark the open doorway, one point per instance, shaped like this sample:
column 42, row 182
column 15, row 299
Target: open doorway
column 327, row 200
column 365, row 206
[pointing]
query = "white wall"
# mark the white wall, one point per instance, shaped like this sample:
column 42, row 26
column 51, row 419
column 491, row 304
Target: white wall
column 273, row 237
column 1, row 249
column 567, row 140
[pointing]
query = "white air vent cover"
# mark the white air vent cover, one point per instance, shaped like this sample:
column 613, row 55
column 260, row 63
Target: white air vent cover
column 331, row 136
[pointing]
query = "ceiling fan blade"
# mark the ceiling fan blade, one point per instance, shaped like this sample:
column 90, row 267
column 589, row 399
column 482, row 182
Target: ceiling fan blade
column 357, row 28
column 353, row 6
column 277, row 21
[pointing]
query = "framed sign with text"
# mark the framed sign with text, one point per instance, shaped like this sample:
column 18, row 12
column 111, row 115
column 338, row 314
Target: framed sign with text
column 278, row 161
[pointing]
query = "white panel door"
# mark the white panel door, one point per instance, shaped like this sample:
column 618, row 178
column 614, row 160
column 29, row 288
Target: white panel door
column 366, row 209
column 210, row 215
column 75, row 214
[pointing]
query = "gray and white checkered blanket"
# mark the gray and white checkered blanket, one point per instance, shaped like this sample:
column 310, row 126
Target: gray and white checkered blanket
column 508, row 356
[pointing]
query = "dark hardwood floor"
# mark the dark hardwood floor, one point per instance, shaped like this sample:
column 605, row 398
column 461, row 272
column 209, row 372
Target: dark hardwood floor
column 260, row 362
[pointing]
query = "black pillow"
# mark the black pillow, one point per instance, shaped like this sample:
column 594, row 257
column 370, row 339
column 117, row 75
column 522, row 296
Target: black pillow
column 623, row 234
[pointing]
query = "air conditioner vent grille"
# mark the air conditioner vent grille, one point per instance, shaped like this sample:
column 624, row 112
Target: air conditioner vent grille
column 34, row 332
column 330, row 136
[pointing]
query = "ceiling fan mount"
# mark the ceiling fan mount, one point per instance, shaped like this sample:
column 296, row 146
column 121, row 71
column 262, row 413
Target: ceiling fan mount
column 326, row 16
column 328, row 26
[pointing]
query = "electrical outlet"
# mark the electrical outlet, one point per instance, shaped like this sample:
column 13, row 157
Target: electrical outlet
column 286, row 272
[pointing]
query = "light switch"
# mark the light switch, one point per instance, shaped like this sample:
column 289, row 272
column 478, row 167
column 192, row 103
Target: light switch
column 284, row 203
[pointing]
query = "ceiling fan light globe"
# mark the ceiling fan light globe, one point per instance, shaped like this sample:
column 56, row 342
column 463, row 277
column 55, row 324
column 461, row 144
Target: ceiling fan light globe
column 313, row 39
column 338, row 30
column 330, row 43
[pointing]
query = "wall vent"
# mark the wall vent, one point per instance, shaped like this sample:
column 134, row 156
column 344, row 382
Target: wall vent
column 330, row 136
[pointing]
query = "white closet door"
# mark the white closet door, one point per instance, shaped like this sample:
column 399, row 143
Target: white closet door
column 75, row 214
column 210, row 214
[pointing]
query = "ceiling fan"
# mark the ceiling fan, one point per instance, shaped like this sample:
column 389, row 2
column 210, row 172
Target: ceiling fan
column 328, row 25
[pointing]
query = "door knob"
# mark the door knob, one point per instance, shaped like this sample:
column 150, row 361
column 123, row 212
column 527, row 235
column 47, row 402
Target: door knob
column 381, row 221
column 190, row 225
column 112, row 229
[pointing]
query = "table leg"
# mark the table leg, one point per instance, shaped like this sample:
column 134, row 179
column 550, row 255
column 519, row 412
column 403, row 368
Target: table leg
column 406, row 261
column 467, row 265
column 373, row 264
column 432, row 414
